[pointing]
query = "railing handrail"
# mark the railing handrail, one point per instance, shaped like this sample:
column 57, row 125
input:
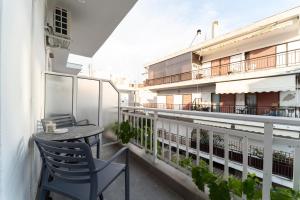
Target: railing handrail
column 211, row 104
column 241, row 117
column 227, row 65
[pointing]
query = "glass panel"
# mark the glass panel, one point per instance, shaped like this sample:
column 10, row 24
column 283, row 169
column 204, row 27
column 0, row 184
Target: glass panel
column 88, row 100
column 109, row 104
column 251, row 103
column 58, row 96
column 215, row 98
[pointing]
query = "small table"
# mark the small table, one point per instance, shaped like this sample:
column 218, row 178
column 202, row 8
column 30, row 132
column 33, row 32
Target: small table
column 74, row 133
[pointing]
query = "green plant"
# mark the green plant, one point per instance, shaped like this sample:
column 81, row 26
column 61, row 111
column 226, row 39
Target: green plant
column 219, row 190
column 235, row 186
column 202, row 176
column 251, row 187
column 126, row 132
column 279, row 193
column 186, row 163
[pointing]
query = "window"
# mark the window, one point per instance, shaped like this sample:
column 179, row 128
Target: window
column 251, row 103
column 215, row 102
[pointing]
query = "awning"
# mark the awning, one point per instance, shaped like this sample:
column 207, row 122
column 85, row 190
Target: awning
column 270, row 84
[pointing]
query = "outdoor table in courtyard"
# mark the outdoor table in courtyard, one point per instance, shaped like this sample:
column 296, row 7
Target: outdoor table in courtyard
column 73, row 133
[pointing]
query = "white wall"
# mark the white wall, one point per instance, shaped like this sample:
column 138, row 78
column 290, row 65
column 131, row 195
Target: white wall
column 287, row 98
column 240, row 99
column 161, row 99
column 177, row 101
column 145, row 96
column 22, row 61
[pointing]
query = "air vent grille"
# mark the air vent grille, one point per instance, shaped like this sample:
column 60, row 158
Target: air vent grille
column 61, row 21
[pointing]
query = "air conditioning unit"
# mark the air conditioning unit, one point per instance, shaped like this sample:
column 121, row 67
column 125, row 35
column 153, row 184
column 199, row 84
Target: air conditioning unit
column 61, row 22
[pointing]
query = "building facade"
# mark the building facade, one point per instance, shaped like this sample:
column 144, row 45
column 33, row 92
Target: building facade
column 253, row 70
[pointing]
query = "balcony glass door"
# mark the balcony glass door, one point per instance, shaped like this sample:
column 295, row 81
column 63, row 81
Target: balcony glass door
column 215, row 102
column 251, row 103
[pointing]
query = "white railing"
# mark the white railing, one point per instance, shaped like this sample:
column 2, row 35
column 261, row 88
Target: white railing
column 244, row 151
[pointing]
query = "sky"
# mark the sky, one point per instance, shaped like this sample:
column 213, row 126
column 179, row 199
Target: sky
column 156, row 28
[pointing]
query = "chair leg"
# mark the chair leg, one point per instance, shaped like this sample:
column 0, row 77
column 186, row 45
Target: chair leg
column 101, row 197
column 98, row 149
column 127, row 183
column 43, row 194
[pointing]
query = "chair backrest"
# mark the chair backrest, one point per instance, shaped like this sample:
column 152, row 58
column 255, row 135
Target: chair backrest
column 70, row 162
column 61, row 121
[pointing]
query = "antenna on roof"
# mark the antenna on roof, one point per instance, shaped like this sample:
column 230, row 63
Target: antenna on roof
column 197, row 33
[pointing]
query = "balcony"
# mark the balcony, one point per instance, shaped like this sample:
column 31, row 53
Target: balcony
column 279, row 60
column 230, row 150
column 164, row 139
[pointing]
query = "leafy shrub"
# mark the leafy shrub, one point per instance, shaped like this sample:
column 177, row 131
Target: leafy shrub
column 251, row 187
column 186, row 163
column 235, row 185
column 202, row 176
column 279, row 193
column 219, row 190
column 126, row 132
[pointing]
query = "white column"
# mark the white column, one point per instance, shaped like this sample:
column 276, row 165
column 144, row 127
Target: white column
column 226, row 156
column 245, row 157
column 163, row 140
column 211, row 150
column 268, row 160
column 296, row 170
column 155, row 137
column 177, row 144
column 187, row 142
column 170, row 148
column 198, row 146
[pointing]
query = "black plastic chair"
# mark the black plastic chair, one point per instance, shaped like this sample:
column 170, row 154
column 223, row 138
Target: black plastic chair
column 67, row 120
column 69, row 169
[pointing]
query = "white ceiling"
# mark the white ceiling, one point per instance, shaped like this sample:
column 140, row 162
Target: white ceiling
column 92, row 21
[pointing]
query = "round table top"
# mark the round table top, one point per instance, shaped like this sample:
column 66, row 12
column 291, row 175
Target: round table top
column 74, row 132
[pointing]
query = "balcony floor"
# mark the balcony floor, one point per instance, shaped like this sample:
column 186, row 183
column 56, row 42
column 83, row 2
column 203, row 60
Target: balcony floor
column 143, row 184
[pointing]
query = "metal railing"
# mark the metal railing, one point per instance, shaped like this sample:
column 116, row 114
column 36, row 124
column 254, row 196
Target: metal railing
column 274, row 159
column 279, row 111
column 278, row 60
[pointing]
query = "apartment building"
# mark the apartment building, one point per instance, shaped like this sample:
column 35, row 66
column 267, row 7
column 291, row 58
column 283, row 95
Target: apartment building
column 252, row 70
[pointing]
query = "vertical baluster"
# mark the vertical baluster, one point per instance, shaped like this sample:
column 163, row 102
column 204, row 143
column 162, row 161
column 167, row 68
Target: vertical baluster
column 245, row 157
column 211, row 150
column 177, row 144
column 151, row 135
column 142, row 131
column 163, row 140
column 170, row 147
column 296, row 170
column 146, row 134
column 268, row 160
column 137, row 128
column 136, row 138
column 187, row 142
column 155, row 136
column 226, row 156
column 198, row 145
